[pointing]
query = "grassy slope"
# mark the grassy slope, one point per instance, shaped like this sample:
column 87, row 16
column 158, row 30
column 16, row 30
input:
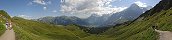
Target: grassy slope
column 2, row 21
column 5, row 14
column 142, row 29
column 138, row 30
column 2, row 27
column 164, row 20
column 76, row 30
column 32, row 30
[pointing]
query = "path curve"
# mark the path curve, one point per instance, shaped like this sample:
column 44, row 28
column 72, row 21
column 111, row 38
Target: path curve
column 8, row 35
column 164, row 35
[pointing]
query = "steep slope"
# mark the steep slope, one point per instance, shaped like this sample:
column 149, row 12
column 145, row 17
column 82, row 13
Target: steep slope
column 3, row 17
column 163, row 5
column 162, row 14
column 2, row 28
column 5, row 14
column 32, row 30
column 141, row 28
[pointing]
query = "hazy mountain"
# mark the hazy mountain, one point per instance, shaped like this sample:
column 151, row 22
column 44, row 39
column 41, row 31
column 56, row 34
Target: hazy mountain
column 46, row 19
column 95, row 20
column 63, row 20
column 128, row 14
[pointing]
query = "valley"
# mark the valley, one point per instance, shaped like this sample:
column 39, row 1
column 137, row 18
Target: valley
column 133, row 23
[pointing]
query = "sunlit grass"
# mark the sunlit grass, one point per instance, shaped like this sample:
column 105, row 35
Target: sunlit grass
column 28, row 30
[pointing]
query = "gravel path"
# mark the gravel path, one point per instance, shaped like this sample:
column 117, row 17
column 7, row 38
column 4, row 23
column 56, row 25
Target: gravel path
column 164, row 35
column 8, row 35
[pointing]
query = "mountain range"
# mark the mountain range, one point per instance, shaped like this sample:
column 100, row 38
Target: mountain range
column 95, row 20
column 128, row 14
column 137, row 27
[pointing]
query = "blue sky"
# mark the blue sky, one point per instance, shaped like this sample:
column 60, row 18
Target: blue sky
column 41, row 8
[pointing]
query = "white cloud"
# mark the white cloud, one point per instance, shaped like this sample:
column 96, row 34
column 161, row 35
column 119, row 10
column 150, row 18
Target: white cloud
column 42, row 2
column 141, row 4
column 24, row 16
column 45, row 8
column 89, row 7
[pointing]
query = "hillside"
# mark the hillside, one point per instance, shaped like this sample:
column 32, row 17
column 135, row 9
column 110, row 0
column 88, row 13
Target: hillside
column 32, row 30
column 3, row 16
column 141, row 28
